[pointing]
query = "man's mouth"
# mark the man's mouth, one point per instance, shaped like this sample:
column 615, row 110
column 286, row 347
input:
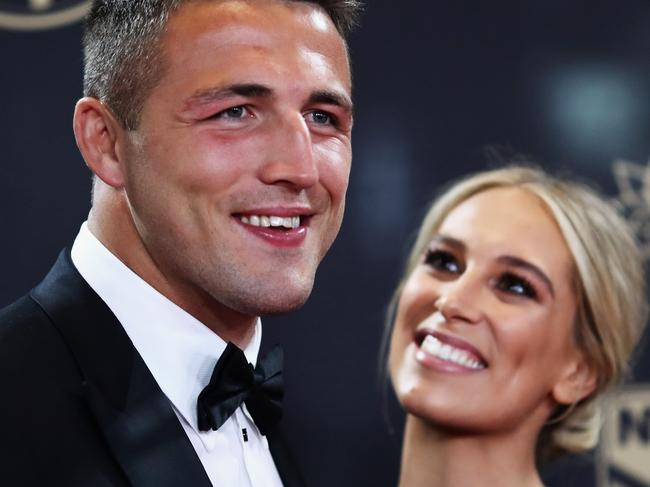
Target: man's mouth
column 271, row 221
column 450, row 350
column 281, row 227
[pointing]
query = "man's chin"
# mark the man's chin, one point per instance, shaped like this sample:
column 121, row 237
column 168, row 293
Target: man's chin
column 279, row 307
column 280, row 310
column 267, row 302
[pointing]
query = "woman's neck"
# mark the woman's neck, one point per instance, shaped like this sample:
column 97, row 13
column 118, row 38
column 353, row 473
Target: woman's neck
column 431, row 458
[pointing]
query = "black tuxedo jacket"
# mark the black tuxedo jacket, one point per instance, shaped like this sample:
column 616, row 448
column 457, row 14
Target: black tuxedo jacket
column 78, row 406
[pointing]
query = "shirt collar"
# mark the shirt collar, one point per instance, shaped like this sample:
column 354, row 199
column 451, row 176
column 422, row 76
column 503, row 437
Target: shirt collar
column 178, row 349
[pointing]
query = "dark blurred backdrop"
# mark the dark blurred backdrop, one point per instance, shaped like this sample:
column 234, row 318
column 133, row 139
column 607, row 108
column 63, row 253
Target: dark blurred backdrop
column 436, row 85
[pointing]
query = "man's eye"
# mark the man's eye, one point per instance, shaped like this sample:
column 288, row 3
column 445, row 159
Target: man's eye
column 519, row 286
column 322, row 118
column 233, row 113
column 442, row 261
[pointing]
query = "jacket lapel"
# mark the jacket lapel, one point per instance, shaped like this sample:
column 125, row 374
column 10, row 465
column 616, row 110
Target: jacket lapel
column 287, row 467
column 133, row 414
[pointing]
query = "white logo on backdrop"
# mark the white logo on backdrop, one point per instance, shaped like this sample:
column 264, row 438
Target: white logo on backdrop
column 633, row 181
column 41, row 14
column 625, row 446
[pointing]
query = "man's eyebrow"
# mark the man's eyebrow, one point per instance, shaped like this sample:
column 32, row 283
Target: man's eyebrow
column 256, row 90
column 332, row 98
column 524, row 264
column 219, row 93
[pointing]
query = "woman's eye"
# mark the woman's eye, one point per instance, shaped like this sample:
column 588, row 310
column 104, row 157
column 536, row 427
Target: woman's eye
column 519, row 286
column 442, row 261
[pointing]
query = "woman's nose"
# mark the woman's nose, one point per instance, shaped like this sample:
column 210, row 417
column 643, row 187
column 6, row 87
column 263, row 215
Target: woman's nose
column 460, row 300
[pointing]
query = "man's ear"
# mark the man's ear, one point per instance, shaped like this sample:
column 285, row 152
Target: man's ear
column 99, row 137
column 577, row 381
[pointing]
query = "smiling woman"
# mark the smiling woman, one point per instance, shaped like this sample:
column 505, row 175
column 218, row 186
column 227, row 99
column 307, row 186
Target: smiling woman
column 522, row 301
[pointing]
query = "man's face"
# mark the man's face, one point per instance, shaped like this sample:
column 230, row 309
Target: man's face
column 236, row 176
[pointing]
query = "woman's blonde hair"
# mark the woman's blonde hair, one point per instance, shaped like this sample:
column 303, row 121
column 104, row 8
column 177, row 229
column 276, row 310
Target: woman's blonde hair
column 608, row 280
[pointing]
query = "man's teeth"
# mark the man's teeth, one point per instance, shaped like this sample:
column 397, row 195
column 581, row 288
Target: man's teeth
column 432, row 346
column 271, row 221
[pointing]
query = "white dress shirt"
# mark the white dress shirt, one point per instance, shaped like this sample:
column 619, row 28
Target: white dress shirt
column 181, row 353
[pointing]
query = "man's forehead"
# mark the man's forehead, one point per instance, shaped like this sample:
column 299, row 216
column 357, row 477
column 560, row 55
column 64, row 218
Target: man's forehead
column 313, row 12
column 295, row 19
column 262, row 31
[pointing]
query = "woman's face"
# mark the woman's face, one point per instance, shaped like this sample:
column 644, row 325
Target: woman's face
column 483, row 333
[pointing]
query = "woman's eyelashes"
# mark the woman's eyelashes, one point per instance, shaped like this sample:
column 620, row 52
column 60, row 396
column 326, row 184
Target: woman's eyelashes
column 443, row 261
column 447, row 265
column 517, row 285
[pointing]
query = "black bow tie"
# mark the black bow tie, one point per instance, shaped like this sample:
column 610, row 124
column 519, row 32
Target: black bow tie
column 235, row 381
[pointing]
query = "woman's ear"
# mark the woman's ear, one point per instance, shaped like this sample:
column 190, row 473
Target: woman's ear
column 577, row 381
column 99, row 137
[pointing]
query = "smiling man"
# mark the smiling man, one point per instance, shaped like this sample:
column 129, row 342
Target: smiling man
column 219, row 136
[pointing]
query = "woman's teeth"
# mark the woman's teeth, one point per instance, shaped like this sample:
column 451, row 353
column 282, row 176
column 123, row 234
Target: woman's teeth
column 271, row 221
column 432, row 346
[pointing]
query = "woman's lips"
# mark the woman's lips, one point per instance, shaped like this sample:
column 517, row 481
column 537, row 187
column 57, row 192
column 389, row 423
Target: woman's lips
column 438, row 350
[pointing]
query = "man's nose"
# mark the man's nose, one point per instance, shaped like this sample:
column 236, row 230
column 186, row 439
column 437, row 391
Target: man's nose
column 290, row 159
column 461, row 300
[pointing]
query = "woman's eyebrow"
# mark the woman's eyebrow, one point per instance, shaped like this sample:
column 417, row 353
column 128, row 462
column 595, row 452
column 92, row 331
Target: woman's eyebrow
column 513, row 261
column 449, row 242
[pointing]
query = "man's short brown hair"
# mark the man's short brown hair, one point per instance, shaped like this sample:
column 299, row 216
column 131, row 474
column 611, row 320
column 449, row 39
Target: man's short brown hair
column 122, row 48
